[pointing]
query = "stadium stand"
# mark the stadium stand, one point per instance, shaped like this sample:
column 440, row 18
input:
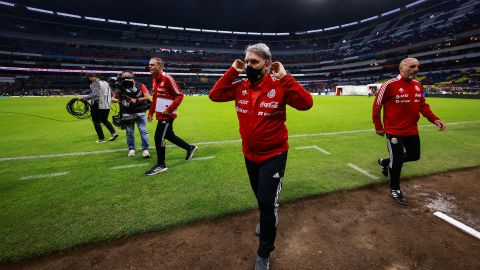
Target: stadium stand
column 44, row 53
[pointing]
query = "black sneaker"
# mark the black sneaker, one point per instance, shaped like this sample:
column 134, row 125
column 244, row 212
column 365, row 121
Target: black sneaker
column 114, row 137
column 398, row 196
column 191, row 151
column 383, row 168
column 262, row 263
column 156, row 169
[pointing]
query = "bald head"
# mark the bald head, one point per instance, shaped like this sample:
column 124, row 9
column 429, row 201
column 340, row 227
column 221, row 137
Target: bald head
column 409, row 68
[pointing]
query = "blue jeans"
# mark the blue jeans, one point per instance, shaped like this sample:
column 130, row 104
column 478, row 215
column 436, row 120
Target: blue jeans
column 141, row 121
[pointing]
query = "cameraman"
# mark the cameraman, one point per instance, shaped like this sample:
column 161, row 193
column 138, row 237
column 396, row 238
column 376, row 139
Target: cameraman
column 133, row 98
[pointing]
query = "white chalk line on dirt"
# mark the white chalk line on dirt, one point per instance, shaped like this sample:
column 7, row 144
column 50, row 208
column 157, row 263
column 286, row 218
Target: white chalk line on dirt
column 207, row 143
column 360, row 170
column 313, row 147
column 458, row 224
column 40, row 176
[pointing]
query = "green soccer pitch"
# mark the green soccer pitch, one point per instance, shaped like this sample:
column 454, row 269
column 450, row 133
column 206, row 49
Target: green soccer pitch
column 86, row 196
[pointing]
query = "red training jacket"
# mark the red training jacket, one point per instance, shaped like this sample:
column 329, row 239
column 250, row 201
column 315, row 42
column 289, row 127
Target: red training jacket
column 261, row 111
column 402, row 101
column 164, row 86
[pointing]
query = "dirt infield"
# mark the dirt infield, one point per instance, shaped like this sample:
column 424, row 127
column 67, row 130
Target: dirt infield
column 357, row 229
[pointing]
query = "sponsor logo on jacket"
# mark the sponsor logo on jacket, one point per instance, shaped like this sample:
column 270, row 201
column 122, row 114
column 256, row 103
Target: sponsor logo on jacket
column 271, row 105
column 240, row 110
column 269, row 114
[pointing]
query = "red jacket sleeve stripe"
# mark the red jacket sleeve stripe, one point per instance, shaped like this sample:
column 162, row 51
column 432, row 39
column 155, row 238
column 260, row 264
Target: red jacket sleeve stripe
column 174, row 85
column 382, row 90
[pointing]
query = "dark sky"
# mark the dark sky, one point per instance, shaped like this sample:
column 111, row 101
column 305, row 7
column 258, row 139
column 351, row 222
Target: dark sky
column 233, row 15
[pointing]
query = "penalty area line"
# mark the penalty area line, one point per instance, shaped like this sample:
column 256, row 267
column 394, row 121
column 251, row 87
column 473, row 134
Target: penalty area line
column 40, row 176
column 210, row 142
column 313, row 147
column 202, row 158
column 129, row 166
column 360, row 170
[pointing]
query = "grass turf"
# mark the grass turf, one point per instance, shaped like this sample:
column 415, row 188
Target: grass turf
column 94, row 202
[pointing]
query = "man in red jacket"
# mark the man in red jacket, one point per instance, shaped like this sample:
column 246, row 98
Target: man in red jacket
column 260, row 102
column 402, row 101
column 167, row 96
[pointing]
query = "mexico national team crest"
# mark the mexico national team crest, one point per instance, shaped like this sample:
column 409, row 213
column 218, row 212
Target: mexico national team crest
column 394, row 140
column 271, row 93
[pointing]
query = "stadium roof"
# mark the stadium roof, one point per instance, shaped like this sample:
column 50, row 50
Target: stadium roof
column 231, row 15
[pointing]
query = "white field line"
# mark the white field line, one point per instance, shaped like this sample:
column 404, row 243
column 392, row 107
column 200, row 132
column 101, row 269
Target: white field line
column 202, row 158
column 358, row 169
column 129, row 166
column 458, row 224
column 211, row 142
column 43, row 176
column 314, row 147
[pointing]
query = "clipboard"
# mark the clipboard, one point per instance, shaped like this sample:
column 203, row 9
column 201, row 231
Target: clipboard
column 162, row 104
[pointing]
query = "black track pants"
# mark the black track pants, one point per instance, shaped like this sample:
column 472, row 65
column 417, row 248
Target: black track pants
column 266, row 181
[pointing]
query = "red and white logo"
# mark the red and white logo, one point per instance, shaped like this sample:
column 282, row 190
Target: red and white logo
column 271, row 93
column 417, row 88
column 244, row 92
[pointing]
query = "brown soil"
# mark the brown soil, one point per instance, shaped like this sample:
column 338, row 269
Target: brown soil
column 357, row 229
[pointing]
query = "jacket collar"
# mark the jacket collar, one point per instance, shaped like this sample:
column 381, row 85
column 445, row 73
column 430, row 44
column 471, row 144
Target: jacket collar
column 158, row 77
column 402, row 78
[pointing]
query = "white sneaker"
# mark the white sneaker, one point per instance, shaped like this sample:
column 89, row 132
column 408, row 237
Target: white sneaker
column 131, row 153
column 146, row 154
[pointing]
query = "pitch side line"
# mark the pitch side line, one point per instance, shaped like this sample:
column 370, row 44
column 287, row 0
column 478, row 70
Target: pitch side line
column 207, row 143
column 43, row 176
column 358, row 169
